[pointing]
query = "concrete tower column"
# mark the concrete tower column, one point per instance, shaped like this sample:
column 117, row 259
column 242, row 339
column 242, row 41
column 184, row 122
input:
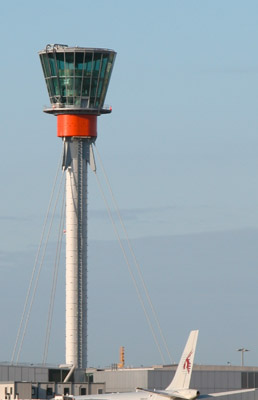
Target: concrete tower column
column 76, row 254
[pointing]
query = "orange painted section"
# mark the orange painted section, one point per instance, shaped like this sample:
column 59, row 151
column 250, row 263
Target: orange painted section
column 76, row 125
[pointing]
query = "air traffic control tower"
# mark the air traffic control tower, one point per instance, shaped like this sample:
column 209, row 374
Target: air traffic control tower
column 77, row 80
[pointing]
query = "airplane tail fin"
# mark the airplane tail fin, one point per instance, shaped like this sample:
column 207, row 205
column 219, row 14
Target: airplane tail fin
column 183, row 373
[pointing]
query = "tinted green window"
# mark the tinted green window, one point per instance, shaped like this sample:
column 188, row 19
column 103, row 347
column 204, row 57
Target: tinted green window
column 52, row 64
column 100, row 87
column 88, row 64
column 60, row 63
column 49, row 87
column 45, row 64
column 86, row 87
column 56, row 86
column 107, row 73
column 79, row 58
column 104, row 66
column 96, row 65
column 94, row 87
column 77, row 86
column 62, row 83
column 69, row 61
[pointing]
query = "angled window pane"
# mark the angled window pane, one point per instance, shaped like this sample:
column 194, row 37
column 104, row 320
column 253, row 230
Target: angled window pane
column 62, row 83
column 87, row 64
column 52, row 64
column 79, row 63
column 100, row 87
column 104, row 66
column 86, row 87
column 55, row 86
column 60, row 63
column 96, row 64
column 69, row 61
column 45, row 65
column 106, row 78
column 77, row 86
column 93, row 87
column 70, row 87
column 49, row 87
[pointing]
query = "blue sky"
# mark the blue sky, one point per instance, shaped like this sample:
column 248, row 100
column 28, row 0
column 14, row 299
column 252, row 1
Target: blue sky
column 180, row 150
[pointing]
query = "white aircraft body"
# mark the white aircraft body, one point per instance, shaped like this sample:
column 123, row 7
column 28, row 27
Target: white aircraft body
column 179, row 388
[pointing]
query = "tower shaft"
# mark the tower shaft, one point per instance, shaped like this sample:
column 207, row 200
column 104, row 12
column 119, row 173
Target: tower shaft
column 76, row 253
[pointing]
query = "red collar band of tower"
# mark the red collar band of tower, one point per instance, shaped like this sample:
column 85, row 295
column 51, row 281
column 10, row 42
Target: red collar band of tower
column 77, row 80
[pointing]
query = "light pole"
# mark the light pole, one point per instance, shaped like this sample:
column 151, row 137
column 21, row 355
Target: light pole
column 242, row 349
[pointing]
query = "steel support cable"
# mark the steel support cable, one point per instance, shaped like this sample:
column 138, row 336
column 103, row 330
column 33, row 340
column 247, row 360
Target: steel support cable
column 54, row 282
column 134, row 257
column 130, row 271
column 39, row 271
column 36, row 261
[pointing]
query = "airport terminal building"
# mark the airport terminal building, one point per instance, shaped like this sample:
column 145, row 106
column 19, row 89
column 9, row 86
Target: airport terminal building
column 207, row 379
column 42, row 382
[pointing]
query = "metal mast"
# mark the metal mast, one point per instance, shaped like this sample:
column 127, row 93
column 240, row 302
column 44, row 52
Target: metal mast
column 77, row 80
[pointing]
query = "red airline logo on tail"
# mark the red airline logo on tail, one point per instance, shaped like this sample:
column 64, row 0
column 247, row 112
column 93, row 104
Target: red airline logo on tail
column 187, row 363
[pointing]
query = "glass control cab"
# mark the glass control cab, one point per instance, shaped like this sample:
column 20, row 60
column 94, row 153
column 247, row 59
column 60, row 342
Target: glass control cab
column 77, row 78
